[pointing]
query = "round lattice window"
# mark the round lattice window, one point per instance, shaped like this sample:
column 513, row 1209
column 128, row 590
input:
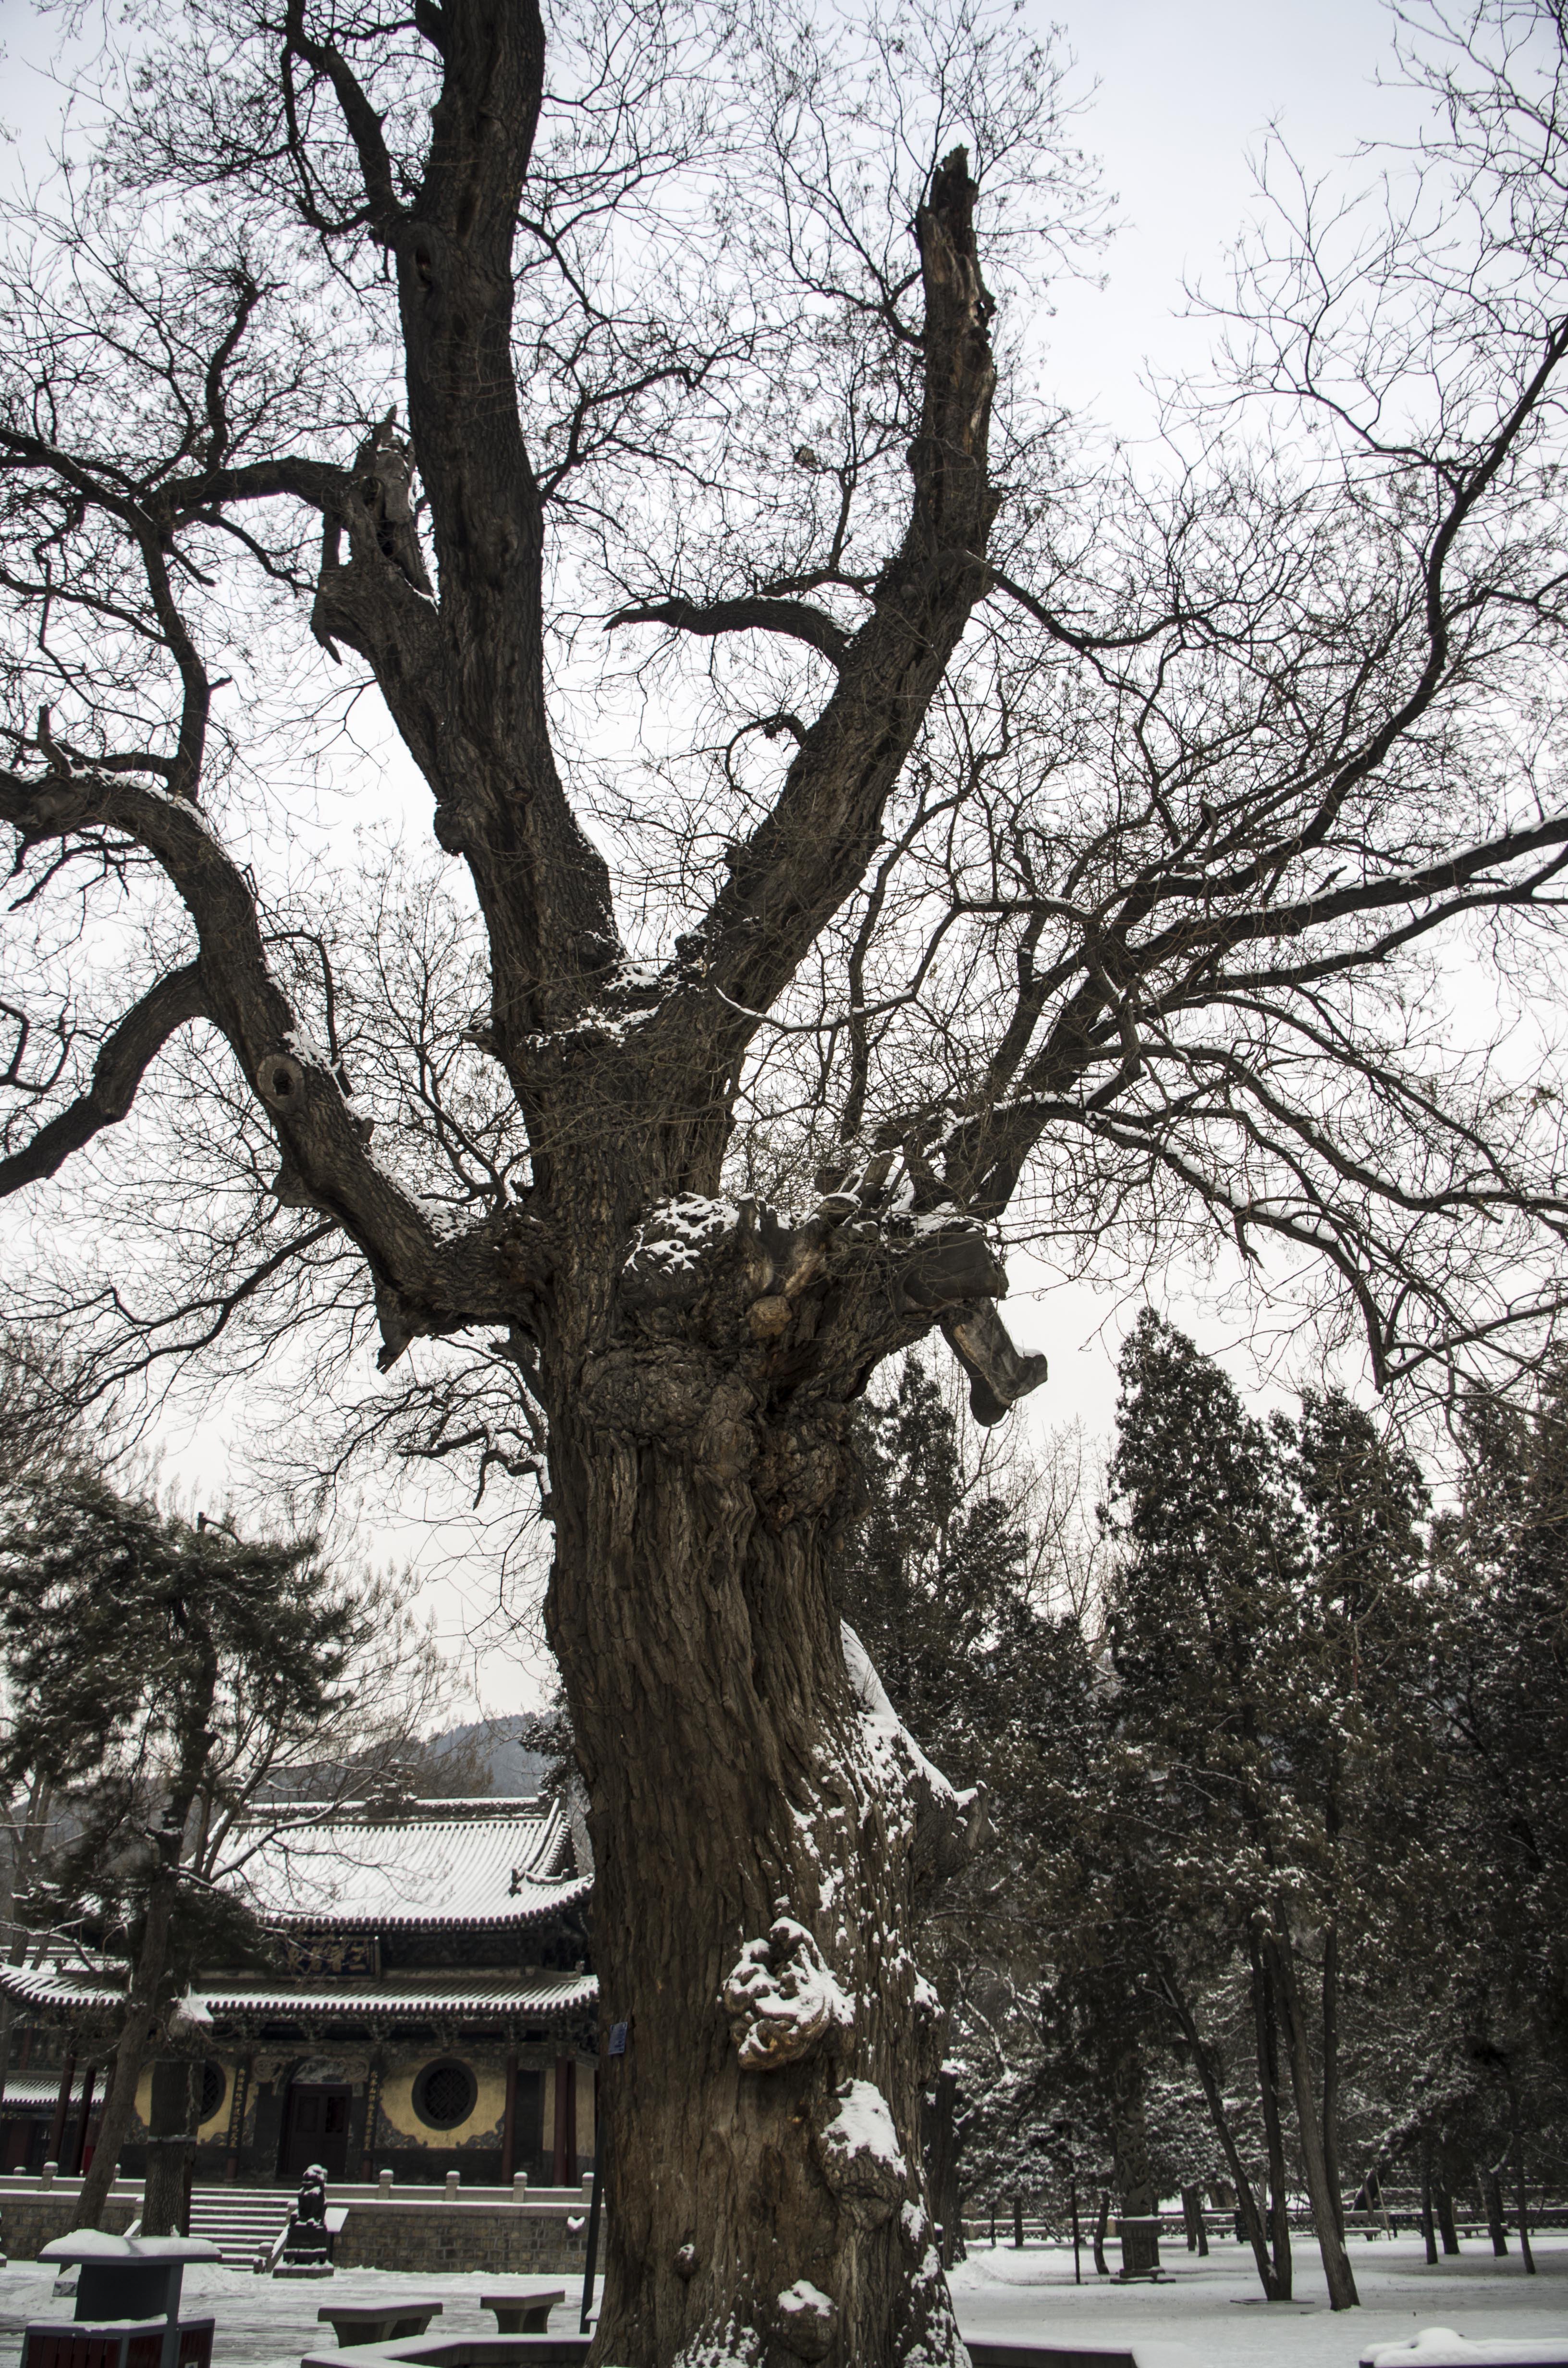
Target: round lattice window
column 214, row 2089
column 444, row 2095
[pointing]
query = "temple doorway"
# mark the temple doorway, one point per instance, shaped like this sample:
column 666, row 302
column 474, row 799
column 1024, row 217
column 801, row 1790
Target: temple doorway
column 316, row 2129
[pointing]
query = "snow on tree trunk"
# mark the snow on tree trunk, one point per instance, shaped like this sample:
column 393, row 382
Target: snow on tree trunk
column 760, row 1821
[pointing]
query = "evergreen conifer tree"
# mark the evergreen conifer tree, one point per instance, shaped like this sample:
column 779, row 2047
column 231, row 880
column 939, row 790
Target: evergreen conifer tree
column 161, row 1674
column 1271, row 1654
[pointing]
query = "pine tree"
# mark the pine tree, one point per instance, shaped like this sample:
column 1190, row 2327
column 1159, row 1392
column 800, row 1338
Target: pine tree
column 934, row 1579
column 1502, row 1648
column 160, row 1673
column 1271, row 1655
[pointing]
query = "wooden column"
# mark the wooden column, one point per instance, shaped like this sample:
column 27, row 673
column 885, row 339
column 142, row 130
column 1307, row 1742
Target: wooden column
column 564, row 2170
column 372, row 2107
column 62, row 2106
column 236, row 2130
column 509, row 2126
column 79, row 2139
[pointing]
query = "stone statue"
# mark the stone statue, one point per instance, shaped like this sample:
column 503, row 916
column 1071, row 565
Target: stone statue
column 304, row 2251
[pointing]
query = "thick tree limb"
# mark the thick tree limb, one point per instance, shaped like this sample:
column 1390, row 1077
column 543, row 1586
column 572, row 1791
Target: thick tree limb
column 124, row 1057
column 811, row 852
column 799, row 619
column 424, row 1285
column 543, row 886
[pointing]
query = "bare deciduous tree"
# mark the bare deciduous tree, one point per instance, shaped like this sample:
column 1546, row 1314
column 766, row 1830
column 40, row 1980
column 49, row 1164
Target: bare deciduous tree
column 883, row 820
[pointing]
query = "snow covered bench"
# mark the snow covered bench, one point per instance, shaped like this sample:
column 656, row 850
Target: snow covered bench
column 1144, row 2351
column 356, row 2323
column 1439, row 2347
column 523, row 2310
column 463, row 2351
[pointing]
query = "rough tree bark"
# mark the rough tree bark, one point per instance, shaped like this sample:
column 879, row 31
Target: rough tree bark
column 781, row 2041
column 943, row 2135
column 172, row 2144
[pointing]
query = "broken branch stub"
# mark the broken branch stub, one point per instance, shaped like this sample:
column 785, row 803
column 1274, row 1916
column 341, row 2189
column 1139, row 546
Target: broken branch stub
column 999, row 1373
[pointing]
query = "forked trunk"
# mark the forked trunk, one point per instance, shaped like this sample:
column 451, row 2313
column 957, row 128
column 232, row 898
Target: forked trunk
column 1325, row 2204
column 1496, row 2227
column 759, row 1823
column 1277, row 2285
column 1249, row 2210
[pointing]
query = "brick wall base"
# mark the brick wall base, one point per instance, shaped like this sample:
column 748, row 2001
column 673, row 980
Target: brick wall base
column 502, row 2240
column 29, row 2221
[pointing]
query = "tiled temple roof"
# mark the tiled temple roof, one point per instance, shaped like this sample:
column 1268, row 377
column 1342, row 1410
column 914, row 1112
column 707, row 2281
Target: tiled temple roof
column 480, row 1871
column 30, row 2091
column 425, row 1999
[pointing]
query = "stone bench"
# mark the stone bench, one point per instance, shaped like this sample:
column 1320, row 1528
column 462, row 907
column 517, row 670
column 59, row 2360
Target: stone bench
column 354, row 2323
column 564, row 2351
column 441, row 2351
column 523, row 2310
column 1441, row 2347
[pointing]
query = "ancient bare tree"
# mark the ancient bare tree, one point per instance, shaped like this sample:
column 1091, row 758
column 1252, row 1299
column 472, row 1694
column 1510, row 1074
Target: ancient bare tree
column 876, row 818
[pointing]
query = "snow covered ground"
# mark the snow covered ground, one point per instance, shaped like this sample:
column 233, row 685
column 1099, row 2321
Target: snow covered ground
column 1212, row 2307
column 274, row 2319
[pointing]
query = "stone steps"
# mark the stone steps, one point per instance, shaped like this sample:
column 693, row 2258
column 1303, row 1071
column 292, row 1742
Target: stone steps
column 244, row 2221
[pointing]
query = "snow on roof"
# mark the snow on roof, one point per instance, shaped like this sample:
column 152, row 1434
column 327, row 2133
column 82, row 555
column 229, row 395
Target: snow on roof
column 502, row 1862
column 538, row 1994
column 29, row 2092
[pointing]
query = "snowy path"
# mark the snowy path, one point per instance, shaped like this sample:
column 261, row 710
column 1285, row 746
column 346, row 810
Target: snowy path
column 274, row 2319
column 1213, row 2307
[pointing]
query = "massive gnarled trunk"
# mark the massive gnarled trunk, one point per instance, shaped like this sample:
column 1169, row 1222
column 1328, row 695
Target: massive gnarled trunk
column 756, row 1845
column 762, row 1822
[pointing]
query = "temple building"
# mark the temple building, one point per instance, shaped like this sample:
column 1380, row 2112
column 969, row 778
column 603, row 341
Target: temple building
column 432, row 2010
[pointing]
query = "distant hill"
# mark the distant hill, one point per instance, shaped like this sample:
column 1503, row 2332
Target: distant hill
column 501, row 1752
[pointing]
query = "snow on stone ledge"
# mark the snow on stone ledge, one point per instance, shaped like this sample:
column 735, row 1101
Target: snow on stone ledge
column 1441, row 2347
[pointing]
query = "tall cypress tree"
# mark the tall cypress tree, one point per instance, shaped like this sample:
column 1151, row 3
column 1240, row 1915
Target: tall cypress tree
column 1271, row 1648
column 934, row 1580
column 1502, row 1640
column 159, row 1670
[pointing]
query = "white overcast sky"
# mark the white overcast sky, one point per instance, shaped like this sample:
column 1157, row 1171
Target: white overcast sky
column 1187, row 90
